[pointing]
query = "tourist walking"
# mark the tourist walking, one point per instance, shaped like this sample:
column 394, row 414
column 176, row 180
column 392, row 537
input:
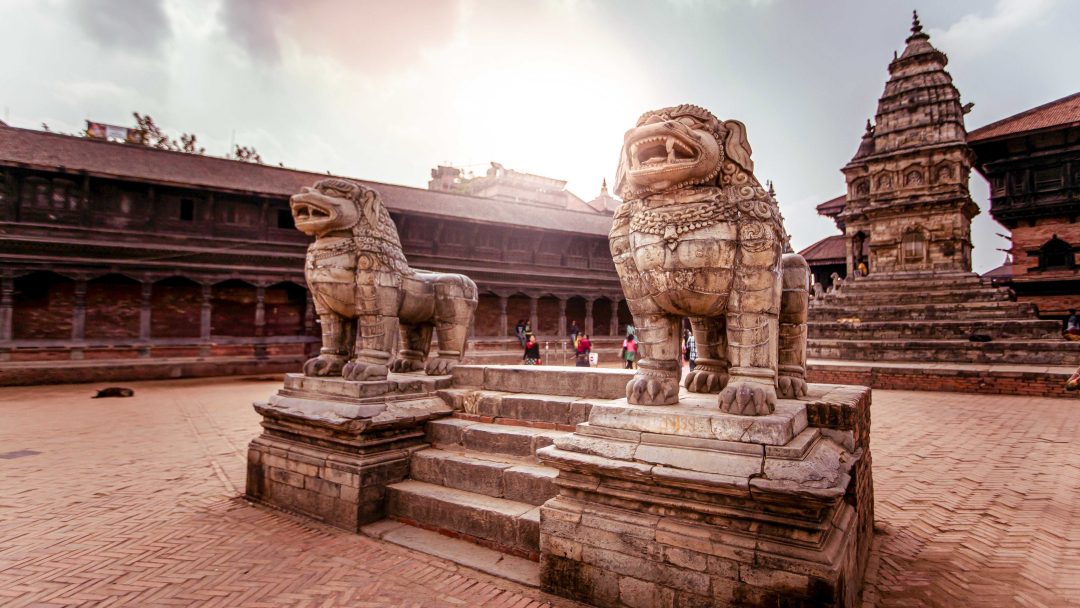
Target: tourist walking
column 629, row 351
column 1072, row 326
column 519, row 331
column 574, row 331
column 584, row 349
column 532, row 351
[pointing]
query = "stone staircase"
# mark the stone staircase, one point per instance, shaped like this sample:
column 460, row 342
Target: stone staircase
column 929, row 319
column 480, row 480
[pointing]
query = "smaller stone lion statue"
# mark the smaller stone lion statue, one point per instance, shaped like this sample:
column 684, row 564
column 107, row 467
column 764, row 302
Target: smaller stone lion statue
column 364, row 290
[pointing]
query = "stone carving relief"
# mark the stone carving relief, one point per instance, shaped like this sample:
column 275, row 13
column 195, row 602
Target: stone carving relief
column 364, row 291
column 699, row 237
column 913, row 178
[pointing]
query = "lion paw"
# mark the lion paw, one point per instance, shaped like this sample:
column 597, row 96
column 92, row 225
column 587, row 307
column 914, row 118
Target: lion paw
column 652, row 390
column 791, row 387
column 705, row 380
column 440, row 366
column 361, row 371
column 404, row 366
column 748, row 399
column 323, row 365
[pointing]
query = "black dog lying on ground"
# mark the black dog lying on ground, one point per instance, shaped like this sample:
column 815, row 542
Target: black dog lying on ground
column 114, row 391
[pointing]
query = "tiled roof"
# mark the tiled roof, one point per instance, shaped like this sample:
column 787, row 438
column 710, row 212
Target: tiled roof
column 1001, row 272
column 50, row 151
column 832, row 206
column 830, row 249
column 1062, row 112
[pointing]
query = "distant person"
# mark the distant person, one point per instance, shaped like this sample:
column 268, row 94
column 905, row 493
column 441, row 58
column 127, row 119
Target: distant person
column 519, row 331
column 1072, row 326
column 863, row 270
column 532, row 351
column 574, row 331
column 630, row 331
column 629, row 350
column 584, row 349
column 691, row 351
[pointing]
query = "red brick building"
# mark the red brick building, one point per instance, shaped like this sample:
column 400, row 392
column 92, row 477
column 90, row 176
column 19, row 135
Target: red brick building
column 1032, row 161
column 121, row 257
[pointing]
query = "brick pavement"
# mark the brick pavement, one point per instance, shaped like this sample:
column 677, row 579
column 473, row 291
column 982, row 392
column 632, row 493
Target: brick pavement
column 134, row 501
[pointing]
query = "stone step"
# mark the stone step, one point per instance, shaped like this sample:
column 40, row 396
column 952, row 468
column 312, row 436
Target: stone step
column 582, row 382
column 514, row 479
column 1030, row 352
column 506, row 525
column 1031, row 329
column 920, row 312
column 965, row 281
column 508, row 440
column 557, row 410
column 854, row 300
column 470, row 555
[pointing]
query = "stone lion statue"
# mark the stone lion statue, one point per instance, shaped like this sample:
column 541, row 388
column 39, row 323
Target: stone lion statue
column 698, row 237
column 364, row 290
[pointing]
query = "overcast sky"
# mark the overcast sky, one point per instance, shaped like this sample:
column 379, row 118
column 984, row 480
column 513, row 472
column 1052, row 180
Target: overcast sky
column 385, row 90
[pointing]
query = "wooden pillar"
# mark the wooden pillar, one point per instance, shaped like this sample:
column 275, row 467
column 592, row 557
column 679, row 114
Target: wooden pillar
column 534, row 320
column 145, row 311
column 562, row 317
column 613, row 327
column 260, row 311
column 204, row 319
column 588, row 316
column 78, row 318
column 7, row 306
column 309, row 315
column 503, row 323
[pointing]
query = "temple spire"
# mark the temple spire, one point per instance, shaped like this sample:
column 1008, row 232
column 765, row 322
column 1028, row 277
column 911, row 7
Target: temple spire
column 916, row 28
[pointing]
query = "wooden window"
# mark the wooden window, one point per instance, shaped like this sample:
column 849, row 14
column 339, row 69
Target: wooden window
column 187, row 210
column 285, row 219
column 913, row 246
column 1047, row 179
column 1056, row 253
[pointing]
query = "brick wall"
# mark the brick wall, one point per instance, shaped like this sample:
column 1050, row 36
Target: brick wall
column 956, row 381
column 1027, row 238
column 43, row 305
column 284, row 307
column 177, row 307
column 486, row 320
column 233, row 309
column 113, row 305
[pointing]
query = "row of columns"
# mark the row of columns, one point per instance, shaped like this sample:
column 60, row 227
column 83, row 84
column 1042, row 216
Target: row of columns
column 534, row 320
column 78, row 314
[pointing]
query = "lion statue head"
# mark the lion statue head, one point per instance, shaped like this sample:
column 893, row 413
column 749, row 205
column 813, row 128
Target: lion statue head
column 679, row 147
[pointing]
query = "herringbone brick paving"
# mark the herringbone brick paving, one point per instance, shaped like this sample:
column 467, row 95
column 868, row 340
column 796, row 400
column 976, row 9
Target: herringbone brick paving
column 135, row 502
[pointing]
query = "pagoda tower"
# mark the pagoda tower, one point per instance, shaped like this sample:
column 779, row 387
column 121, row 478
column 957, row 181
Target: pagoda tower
column 907, row 195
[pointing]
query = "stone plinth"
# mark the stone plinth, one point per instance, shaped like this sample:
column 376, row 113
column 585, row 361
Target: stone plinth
column 687, row 506
column 330, row 447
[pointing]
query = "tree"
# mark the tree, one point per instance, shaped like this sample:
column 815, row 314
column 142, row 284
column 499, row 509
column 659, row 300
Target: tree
column 246, row 154
column 188, row 144
column 153, row 136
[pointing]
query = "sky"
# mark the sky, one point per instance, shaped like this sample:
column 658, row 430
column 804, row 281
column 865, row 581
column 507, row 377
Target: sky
column 386, row 90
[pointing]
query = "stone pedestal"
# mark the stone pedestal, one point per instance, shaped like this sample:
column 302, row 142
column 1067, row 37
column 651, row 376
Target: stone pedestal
column 330, row 447
column 687, row 506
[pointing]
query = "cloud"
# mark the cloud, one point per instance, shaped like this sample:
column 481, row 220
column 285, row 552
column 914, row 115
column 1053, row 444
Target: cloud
column 975, row 33
column 134, row 25
column 371, row 35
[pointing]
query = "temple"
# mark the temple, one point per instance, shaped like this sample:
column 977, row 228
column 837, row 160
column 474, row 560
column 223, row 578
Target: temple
column 907, row 195
column 1032, row 161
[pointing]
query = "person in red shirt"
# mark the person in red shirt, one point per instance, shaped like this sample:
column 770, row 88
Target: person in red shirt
column 584, row 348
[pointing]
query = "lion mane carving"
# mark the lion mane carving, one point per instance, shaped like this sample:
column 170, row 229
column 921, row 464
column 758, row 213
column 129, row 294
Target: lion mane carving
column 364, row 290
column 698, row 237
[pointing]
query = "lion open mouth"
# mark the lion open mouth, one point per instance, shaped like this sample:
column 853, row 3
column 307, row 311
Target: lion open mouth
column 660, row 151
column 306, row 211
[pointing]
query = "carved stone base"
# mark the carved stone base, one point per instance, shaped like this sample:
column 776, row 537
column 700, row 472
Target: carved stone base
column 330, row 447
column 686, row 506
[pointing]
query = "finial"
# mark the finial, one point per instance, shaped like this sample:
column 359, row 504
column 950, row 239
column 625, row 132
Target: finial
column 772, row 191
column 603, row 187
column 916, row 27
column 869, row 127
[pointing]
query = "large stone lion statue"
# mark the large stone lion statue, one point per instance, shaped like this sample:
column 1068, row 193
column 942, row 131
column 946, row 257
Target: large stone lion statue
column 364, row 290
column 698, row 237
